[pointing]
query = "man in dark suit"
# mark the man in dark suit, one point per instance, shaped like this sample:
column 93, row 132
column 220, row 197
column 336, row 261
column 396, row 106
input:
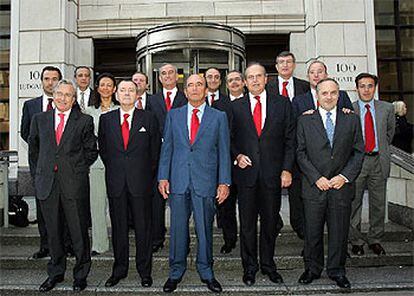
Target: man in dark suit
column 62, row 147
column 129, row 144
column 263, row 146
column 143, row 98
column 168, row 98
column 317, row 71
column 83, row 91
column 226, row 212
column 330, row 153
column 194, row 172
column 378, row 128
column 50, row 76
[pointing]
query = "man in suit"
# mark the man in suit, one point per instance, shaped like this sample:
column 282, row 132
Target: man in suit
column 317, row 71
column 263, row 147
column 129, row 144
column 62, row 147
column 329, row 153
column 235, row 85
column 168, row 98
column 194, row 172
column 50, row 76
column 143, row 100
column 378, row 127
column 83, row 91
column 226, row 212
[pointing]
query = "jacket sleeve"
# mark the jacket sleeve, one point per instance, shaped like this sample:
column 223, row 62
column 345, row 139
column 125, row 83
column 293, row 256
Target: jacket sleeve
column 155, row 143
column 164, row 166
column 33, row 141
column 25, row 123
column 390, row 123
column 89, row 142
column 224, row 151
column 290, row 141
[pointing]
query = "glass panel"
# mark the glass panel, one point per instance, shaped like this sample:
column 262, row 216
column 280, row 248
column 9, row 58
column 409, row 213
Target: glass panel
column 408, row 76
column 388, row 76
column 384, row 12
column 409, row 101
column 385, row 43
column 387, row 97
column 406, row 12
column 407, row 43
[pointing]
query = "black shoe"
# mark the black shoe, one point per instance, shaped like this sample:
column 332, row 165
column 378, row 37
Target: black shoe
column 146, row 281
column 358, row 250
column 213, row 285
column 341, row 281
column 42, row 253
column 249, row 278
column 274, row 276
column 79, row 285
column 95, row 253
column 170, row 285
column 70, row 252
column 377, row 249
column 156, row 248
column 307, row 277
column 227, row 248
column 49, row 283
column 112, row 281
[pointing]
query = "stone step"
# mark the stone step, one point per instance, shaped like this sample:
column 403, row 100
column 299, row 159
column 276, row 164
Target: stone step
column 385, row 281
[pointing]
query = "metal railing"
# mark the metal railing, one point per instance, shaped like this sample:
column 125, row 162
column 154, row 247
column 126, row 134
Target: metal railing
column 402, row 159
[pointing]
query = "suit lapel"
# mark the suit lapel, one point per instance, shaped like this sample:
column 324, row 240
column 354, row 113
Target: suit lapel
column 309, row 101
column 116, row 125
column 136, row 123
column 248, row 115
column 339, row 126
column 69, row 127
column 318, row 124
column 205, row 122
column 51, row 127
column 270, row 111
column 182, row 120
column 378, row 118
column 39, row 104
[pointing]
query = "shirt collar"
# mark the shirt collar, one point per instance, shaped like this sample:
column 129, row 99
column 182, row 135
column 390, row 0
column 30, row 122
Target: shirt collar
column 262, row 96
column 290, row 80
column 323, row 112
column 235, row 98
column 216, row 95
column 130, row 112
column 86, row 92
column 362, row 103
column 200, row 108
column 173, row 92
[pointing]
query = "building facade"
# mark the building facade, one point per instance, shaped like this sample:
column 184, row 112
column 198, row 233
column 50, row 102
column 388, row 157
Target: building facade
column 103, row 34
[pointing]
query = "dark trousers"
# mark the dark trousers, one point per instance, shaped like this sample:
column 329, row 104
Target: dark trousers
column 41, row 226
column 140, row 207
column 226, row 217
column 57, row 209
column 334, row 208
column 296, row 207
column 158, row 218
column 254, row 202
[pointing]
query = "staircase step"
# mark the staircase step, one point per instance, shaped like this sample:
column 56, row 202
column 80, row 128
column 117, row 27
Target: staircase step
column 386, row 279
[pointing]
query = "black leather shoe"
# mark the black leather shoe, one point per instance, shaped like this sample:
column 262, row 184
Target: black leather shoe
column 341, row 281
column 156, row 248
column 70, row 252
column 49, row 283
column 170, row 285
column 213, row 285
column 358, row 250
column 226, row 248
column 274, row 276
column 79, row 285
column 307, row 277
column 112, row 281
column 146, row 281
column 95, row 253
column 42, row 253
column 377, row 249
column 249, row 278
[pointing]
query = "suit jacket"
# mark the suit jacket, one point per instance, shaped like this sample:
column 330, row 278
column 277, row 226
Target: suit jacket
column 136, row 166
column 205, row 163
column 315, row 156
column 75, row 154
column 385, row 129
column 304, row 103
column 300, row 86
column 157, row 103
column 274, row 151
column 224, row 104
column 30, row 108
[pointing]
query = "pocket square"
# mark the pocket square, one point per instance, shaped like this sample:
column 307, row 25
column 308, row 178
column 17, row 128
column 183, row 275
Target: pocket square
column 142, row 130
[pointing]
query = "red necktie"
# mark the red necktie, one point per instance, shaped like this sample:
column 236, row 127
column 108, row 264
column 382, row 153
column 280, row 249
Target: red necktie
column 195, row 124
column 139, row 103
column 284, row 89
column 49, row 104
column 59, row 129
column 125, row 131
column 369, row 130
column 257, row 116
column 168, row 101
column 212, row 99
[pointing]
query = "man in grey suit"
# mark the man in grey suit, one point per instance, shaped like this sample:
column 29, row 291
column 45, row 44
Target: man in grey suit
column 329, row 153
column 378, row 126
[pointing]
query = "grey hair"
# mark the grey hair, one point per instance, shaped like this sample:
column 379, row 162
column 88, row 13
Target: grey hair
column 167, row 64
column 399, row 107
column 254, row 64
column 65, row 82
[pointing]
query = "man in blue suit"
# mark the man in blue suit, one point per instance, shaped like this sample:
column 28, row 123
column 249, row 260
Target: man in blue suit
column 194, row 170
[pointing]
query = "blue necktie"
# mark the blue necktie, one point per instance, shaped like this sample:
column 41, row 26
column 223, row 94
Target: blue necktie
column 329, row 128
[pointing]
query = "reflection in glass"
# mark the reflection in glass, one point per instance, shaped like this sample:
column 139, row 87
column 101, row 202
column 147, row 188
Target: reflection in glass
column 406, row 8
column 385, row 43
column 407, row 42
column 388, row 80
column 407, row 73
column 384, row 12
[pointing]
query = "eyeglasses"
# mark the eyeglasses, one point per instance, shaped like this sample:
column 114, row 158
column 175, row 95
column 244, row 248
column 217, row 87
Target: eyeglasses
column 237, row 79
column 364, row 86
column 61, row 95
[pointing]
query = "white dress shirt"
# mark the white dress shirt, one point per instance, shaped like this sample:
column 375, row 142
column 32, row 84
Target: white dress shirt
column 289, row 87
column 45, row 102
column 173, row 94
column 86, row 96
column 232, row 98
column 253, row 102
column 216, row 96
column 200, row 113
column 323, row 112
column 315, row 98
column 65, row 118
column 129, row 119
column 143, row 101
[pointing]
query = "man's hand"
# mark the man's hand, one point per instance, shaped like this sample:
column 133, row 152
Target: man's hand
column 308, row 112
column 337, row 182
column 323, row 184
column 164, row 188
column 346, row 110
column 222, row 193
column 286, row 179
column 243, row 161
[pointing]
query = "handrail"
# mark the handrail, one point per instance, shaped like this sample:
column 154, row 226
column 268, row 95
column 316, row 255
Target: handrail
column 402, row 159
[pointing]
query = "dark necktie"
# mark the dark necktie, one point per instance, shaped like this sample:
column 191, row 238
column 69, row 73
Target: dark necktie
column 139, row 103
column 195, row 124
column 257, row 116
column 369, row 130
column 49, row 104
column 284, row 89
column 125, row 131
column 212, row 99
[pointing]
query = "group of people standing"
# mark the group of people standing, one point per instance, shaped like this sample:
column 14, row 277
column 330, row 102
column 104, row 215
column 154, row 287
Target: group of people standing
column 203, row 151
